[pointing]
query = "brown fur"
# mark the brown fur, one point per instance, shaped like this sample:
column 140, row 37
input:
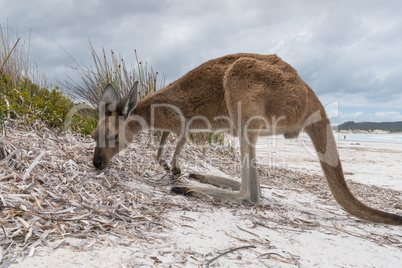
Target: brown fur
column 247, row 95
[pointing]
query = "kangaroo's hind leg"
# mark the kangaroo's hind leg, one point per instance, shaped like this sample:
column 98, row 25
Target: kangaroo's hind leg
column 249, row 189
column 216, row 181
column 175, row 159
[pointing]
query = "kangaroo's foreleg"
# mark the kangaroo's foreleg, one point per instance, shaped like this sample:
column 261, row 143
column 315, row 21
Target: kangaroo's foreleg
column 159, row 156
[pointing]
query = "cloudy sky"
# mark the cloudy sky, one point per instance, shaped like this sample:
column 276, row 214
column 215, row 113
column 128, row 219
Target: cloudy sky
column 349, row 52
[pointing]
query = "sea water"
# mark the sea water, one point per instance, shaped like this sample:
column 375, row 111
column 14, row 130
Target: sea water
column 389, row 138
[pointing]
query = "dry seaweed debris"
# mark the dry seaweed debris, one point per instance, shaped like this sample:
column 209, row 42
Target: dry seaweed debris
column 49, row 191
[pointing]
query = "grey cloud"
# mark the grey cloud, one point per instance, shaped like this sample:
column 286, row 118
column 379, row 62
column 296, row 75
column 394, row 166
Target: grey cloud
column 339, row 47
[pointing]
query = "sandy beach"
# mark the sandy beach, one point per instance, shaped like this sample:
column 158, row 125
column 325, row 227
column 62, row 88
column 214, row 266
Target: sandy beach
column 297, row 224
column 376, row 163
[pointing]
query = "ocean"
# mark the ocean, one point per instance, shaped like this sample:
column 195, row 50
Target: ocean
column 389, row 138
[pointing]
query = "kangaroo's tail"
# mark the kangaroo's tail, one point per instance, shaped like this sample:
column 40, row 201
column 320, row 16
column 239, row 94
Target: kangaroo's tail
column 319, row 129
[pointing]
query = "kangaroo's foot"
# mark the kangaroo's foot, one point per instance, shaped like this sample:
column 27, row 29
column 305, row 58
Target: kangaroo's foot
column 222, row 194
column 203, row 193
column 164, row 164
column 176, row 170
column 217, row 181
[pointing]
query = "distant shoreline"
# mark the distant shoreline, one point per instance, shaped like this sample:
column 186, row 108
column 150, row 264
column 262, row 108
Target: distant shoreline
column 370, row 136
column 372, row 126
column 363, row 131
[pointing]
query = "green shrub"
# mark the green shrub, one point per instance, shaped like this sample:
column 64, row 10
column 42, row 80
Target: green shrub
column 28, row 102
column 26, row 96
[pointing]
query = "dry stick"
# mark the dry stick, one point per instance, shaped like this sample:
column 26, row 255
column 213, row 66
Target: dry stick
column 272, row 253
column 7, row 177
column 4, row 231
column 10, row 155
column 256, row 235
column 227, row 252
column 34, row 163
column 11, row 51
column 293, row 258
column 29, row 187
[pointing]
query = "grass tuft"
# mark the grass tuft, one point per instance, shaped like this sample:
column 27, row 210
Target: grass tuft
column 109, row 69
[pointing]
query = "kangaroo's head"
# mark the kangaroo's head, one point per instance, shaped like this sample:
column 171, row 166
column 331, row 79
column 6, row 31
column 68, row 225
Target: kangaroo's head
column 112, row 133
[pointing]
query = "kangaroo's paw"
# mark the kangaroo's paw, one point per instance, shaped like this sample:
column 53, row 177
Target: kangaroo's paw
column 197, row 192
column 181, row 190
column 165, row 165
column 198, row 177
column 176, row 171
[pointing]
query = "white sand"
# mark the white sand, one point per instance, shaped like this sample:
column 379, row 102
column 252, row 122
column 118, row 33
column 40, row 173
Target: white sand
column 367, row 162
column 331, row 239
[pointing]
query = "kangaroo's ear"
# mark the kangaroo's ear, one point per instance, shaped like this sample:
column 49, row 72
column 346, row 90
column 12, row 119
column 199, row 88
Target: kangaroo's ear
column 109, row 100
column 130, row 101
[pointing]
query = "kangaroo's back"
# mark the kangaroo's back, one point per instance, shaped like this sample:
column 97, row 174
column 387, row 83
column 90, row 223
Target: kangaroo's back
column 201, row 91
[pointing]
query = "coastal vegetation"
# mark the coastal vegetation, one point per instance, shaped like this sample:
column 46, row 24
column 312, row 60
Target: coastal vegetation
column 370, row 126
column 28, row 96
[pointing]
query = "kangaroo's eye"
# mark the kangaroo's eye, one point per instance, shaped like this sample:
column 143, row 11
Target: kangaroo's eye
column 113, row 137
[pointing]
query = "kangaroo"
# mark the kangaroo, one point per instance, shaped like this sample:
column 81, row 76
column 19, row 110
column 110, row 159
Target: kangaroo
column 159, row 155
column 246, row 95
